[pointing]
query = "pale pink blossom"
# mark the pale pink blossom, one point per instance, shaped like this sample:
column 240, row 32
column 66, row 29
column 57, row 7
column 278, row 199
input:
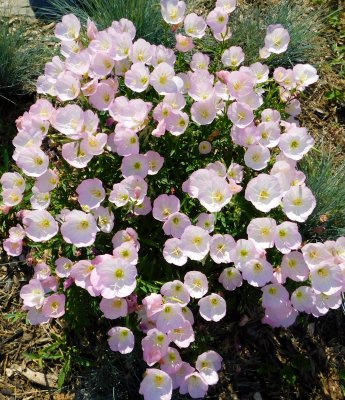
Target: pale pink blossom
column 39, row 225
column 121, row 339
column 155, row 346
column 240, row 114
column 182, row 336
column 194, row 26
column 114, row 277
column 287, row 237
column 155, row 162
column 69, row 28
column 208, row 364
column 13, row 247
column 79, row 228
column 264, row 191
column 230, row 278
column 205, row 147
column 134, row 164
column 277, row 39
column 165, row 205
column 212, row 307
column 156, row 385
column 257, row 272
column 298, row 203
column 206, row 221
column 173, row 253
column 217, row 19
column 220, row 248
column 173, row 11
column 175, row 224
column 171, row 362
column 90, row 193
column 54, row 305
column 184, row 43
column 63, row 267
column 196, row 283
column 303, row 299
column 233, row 56
column 32, row 294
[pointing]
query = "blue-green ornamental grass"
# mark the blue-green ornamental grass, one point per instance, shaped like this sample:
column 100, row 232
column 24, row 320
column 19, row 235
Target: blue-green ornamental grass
column 154, row 188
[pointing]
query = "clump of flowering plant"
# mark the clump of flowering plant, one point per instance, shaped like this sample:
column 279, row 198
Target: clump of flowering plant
column 152, row 178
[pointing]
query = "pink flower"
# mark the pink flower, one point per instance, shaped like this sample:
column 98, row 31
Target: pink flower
column 68, row 120
column 153, row 303
column 233, row 56
column 173, row 253
column 121, row 339
column 298, row 203
column 305, row 75
column 13, row 247
column 287, row 237
column 212, row 307
column 206, row 221
column 10, row 180
column 155, row 346
column 264, row 192
column 184, row 43
column 81, row 273
column 32, row 161
column 170, row 317
column 303, row 299
column 257, row 272
column 134, row 164
column 228, row 5
column 171, row 362
column 79, row 228
column 141, row 52
column 138, row 77
column 262, row 231
column 295, row 143
column 208, row 364
column 90, row 193
column 163, row 79
column 54, row 306
column 173, row 11
column 195, row 386
column 155, row 162
column 175, row 224
column 165, row 205
column 220, row 248
column 196, row 283
column 182, row 336
column 274, row 295
column 257, row 157
column 114, row 308
column 67, row 86
column 217, row 19
column 230, row 278
column 194, row 26
column 204, row 112
column 195, row 242
column 175, row 292
column 156, row 385
column 240, row 114
column 47, row 182
column 326, row 278
column 205, row 147
column 294, row 267
column 68, row 29
column 33, row 294
column 39, row 225
column 277, row 39
column 63, row 267
column 114, row 277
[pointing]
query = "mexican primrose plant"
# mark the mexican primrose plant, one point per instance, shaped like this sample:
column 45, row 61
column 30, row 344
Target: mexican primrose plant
column 155, row 178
